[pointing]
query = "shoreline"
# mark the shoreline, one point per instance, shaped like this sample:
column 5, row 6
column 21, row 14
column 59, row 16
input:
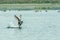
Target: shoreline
column 29, row 6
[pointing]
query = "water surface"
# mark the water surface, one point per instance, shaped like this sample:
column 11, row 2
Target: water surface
column 39, row 25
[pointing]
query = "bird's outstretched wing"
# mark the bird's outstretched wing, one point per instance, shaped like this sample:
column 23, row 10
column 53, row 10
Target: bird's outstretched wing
column 17, row 18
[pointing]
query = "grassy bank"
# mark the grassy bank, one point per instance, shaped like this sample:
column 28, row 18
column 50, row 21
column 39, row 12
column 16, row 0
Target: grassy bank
column 29, row 6
column 28, row 1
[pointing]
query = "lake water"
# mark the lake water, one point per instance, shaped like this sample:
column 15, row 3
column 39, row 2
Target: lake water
column 39, row 25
